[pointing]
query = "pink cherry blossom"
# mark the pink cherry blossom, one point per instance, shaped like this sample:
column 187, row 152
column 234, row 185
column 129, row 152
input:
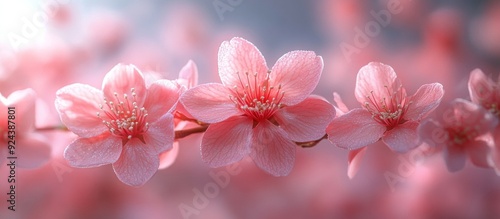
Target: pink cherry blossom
column 459, row 132
column 388, row 114
column 259, row 111
column 31, row 148
column 127, row 124
column 188, row 78
column 486, row 92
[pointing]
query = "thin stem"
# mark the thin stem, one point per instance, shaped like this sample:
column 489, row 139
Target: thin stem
column 185, row 118
column 186, row 132
column 52, row 128
column 310, row 144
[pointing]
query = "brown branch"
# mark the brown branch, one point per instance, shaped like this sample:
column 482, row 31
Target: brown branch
column 310, row 144
column 182, row 117
column 52, row 128
column 186, row 132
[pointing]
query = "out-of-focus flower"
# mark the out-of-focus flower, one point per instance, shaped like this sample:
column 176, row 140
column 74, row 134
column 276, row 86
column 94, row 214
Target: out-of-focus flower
column 188, row 78
column 388, row 113
column 458, row 132
column 258, row 111
column 17, row 129
column 127, row 124
column 486, row 92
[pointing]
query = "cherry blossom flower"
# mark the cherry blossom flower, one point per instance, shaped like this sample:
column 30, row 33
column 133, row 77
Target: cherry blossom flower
column 127, row 124
column 30, row 148
column 486, row 92
column 388, row 114
column 461, row 133
column 188, row 78
column 257, row 111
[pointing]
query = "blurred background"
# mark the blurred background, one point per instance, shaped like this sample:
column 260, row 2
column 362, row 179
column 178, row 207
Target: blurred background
column 46, row 45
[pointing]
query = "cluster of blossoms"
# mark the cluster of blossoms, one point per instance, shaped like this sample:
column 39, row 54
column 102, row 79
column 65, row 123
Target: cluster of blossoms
column 133, row 122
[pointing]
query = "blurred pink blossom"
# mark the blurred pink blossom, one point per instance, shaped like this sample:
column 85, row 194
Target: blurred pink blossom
column 388, row 113
column 126, row 124
column 459, row 132
column 31, row 148
column 486, row 92
column 258, row 111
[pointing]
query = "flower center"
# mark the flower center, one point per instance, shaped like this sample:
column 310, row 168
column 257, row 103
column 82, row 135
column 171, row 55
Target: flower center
column 258, row 100
column 494, row 109
column 123, row 117
column 390, row 110
column 490, row 99
column 459, row 136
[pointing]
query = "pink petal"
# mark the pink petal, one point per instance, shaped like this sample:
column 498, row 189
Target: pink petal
column 472, row 115
column 32, row 151
column 238, row 57
column 480, row 87
column 307, row 120
column 494, row 157
column 209, row 103
column 93, row 152
column 354, row 130
column 167, row 158
column 24, row 102
column 496, row 137
column 354, row 159
column 298, row 73
column 478, row 152
column 432, row 133
column 341, row 108
column 160, row 134
column 78, row 105
column 377, row 78
column 455, row 158
column 121, row 79
column 180, row 108
column 272, row 151
column 151, row 76
column 227, row 142
column 494, row 161
column 162, row 98
column 189, row 74
column 403, row 137
column 137, row 164
column 425, row 100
